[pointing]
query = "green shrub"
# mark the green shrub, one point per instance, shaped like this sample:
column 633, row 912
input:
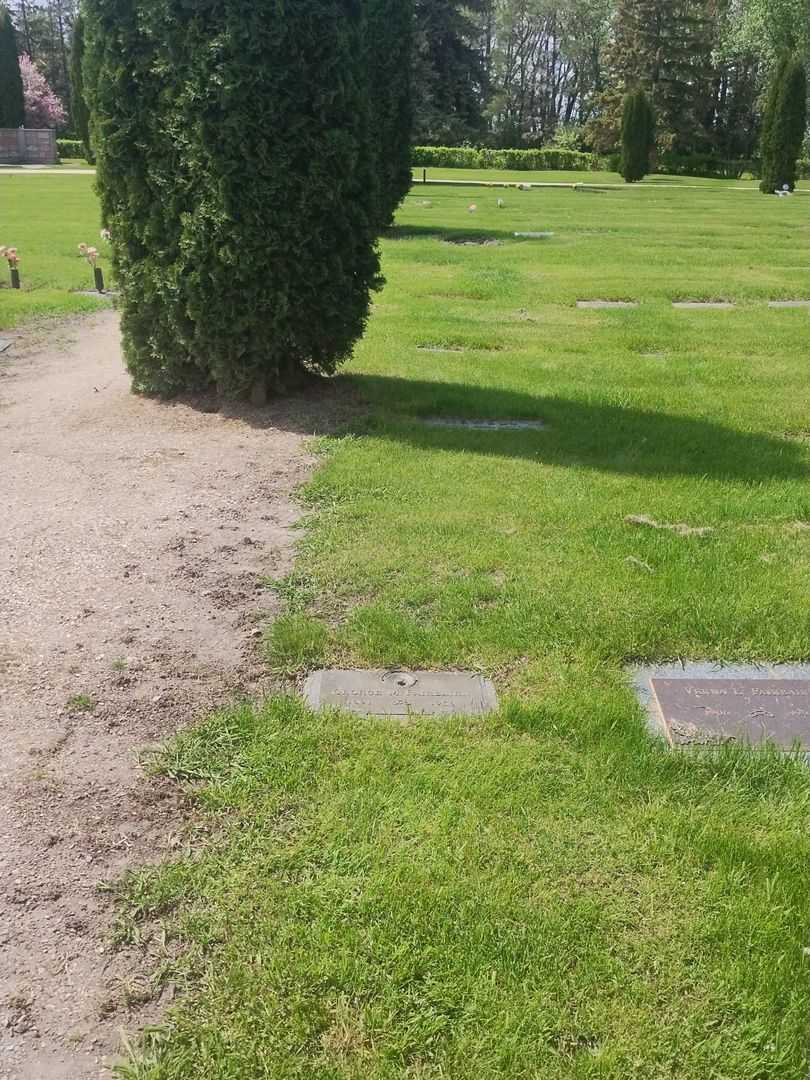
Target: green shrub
column 468, row 157
column 638, row 136
column 783, row 125
column 235, row 172
column 71, row 148
column 12, row 106
column 389, row 44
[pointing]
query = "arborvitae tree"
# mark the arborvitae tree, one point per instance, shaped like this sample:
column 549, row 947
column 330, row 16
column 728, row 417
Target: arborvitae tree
column 235, row 171
column 389, row 44
column 638, row 136
column 12, row 104
column 79, row 111
column 783, row 125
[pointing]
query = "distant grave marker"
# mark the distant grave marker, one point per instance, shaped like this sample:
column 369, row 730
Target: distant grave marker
column 534, row 235
column 789, row 303
column 701, row 705
column 402, row 693
column 703, row 305
column 598, row 305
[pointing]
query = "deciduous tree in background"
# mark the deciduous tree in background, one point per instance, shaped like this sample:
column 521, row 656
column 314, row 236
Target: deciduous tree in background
column 236, row 172
column 43, row 109
column 783, row 125
column 12, row 102
column 638, row 136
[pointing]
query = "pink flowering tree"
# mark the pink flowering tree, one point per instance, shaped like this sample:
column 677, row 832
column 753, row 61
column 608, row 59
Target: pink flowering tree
column 43, row 109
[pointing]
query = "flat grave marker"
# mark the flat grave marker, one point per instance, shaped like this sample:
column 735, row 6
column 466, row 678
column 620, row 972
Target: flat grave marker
column 703, row 705
column 484, row 425
column 402, row 693
column 789, row 303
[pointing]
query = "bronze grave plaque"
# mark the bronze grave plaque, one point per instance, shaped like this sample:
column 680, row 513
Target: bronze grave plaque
column 748, row 711
column 402, row 693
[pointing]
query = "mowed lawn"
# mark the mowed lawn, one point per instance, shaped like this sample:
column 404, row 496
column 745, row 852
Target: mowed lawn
column 547, row 893
column 46, row 217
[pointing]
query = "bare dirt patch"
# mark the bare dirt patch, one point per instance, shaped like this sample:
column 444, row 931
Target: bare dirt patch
column 133, row 541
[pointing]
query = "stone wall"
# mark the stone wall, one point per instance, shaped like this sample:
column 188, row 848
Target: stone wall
column 27, row 146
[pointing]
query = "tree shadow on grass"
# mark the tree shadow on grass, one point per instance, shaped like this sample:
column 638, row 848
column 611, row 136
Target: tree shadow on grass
column 594, row 435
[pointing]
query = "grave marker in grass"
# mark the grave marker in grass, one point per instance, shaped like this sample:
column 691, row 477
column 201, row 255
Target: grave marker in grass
column 402, row 693
column 703, row 705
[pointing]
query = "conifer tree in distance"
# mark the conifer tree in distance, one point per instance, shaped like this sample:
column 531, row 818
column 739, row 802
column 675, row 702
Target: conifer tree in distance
column 79, row 110
column 12, row 103
column 783, row 125
column 389, row 49
column 638, row 136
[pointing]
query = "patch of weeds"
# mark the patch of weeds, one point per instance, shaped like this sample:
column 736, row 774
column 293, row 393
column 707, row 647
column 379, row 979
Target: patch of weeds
column 297, row 590
column 119, row 665
column 296, row 642
column 81, row 703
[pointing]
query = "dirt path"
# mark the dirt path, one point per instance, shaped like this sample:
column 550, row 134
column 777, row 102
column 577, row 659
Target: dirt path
column 133, row 535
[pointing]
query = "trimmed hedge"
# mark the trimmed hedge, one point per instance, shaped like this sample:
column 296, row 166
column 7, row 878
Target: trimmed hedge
column 235, row 169
column 468, row 157
column 71, row 148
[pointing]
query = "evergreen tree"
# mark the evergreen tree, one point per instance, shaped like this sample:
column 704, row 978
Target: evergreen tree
column 12, row 104
column 79, row 111
column 235, row 171
column 638, row 136
column 783, row 125
column 449, row 80
column 665, row 47
column 389, row 44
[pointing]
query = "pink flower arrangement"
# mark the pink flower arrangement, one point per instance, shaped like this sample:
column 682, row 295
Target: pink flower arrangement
column 10, row 254
column 89, row 253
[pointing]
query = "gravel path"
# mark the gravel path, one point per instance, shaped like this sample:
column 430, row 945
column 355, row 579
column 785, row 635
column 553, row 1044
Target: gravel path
column 132, row 538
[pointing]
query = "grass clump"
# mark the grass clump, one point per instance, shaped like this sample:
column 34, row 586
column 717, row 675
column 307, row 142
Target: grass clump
column 295, row 642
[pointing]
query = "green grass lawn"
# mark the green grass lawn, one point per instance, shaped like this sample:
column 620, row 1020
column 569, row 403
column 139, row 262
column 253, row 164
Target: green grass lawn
column 546, row 894
column 46, row 217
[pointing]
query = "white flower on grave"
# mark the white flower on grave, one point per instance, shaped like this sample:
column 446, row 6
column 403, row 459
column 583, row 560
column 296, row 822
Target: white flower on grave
column 82, row 249
column 106, row 235
column 472, row 208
